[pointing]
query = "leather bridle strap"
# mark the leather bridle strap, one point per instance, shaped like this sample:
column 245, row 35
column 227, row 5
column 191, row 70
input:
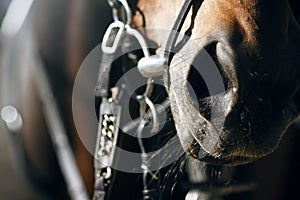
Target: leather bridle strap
column 171, row 42
column 168, row 54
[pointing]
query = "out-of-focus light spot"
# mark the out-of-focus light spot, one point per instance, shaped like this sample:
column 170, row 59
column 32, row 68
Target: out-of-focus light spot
column 195, row 194
column 192, row 195
column 11, row 117
column 9, row 114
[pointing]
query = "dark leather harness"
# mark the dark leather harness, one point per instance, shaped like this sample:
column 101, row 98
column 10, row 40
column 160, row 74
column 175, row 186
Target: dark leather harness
column 109, row 111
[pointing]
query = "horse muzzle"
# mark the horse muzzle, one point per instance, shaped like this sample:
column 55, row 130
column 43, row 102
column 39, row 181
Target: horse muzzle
column 243, row 118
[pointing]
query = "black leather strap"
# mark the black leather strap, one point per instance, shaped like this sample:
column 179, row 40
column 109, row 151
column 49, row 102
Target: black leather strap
column 186, row 7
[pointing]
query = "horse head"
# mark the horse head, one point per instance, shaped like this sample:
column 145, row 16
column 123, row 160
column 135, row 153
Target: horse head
column 255, row 45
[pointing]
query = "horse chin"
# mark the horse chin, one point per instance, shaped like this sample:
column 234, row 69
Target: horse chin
column 195, row 148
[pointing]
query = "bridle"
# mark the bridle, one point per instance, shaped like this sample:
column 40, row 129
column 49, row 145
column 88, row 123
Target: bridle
column 150, row 66
column 109, row 112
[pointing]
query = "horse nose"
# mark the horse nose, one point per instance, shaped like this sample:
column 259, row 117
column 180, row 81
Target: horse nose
column 245, row 109
column 213, row 74
column 215, row 86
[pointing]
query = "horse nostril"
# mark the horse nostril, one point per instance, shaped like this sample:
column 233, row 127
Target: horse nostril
column 207, row 76
column 220, row 55
column 198, row 90
column 197, row 84
column 211, row 50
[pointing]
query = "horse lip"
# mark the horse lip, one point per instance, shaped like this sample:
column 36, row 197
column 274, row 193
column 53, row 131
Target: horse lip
column 211, row 145
column 230, row 161
column 211, row 150
column 233, row 160
column 205, row 131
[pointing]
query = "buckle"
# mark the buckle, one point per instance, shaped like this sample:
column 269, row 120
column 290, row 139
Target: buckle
column 111, row 32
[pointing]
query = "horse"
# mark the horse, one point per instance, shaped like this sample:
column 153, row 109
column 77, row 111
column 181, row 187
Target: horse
column 254, row 45
column 239, row 37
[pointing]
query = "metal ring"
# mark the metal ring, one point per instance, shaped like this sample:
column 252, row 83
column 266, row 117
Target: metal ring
column 124, row 3
column 117, row 37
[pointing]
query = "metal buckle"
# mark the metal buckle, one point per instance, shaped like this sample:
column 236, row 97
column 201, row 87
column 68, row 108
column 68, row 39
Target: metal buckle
column 106, row 48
